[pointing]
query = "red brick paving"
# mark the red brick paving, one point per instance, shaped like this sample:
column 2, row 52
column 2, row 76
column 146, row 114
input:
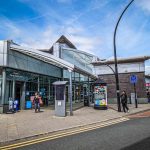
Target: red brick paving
column 141, row 115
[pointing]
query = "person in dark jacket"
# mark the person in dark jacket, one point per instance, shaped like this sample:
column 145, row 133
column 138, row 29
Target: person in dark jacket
column 37, row 102
column 124, row 101
column 148, row 96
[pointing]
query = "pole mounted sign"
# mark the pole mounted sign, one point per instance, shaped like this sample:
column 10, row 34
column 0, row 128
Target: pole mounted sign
column 133, row 79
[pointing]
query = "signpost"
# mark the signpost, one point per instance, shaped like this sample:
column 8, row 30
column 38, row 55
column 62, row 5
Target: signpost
column 133, row 80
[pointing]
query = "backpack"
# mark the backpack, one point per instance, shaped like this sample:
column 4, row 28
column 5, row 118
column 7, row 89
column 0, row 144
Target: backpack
column 123, row 98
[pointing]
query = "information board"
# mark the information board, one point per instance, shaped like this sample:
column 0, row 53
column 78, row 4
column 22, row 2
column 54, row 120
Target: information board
column 100, row 95
column 60, row 92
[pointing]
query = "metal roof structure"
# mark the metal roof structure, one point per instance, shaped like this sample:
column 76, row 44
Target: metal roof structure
column 48, row 58
column 122, row 60
column 147, row 76
column 61, row 40
column 79, row 51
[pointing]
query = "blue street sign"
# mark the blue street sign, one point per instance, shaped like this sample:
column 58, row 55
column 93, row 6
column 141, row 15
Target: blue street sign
column 133, row 79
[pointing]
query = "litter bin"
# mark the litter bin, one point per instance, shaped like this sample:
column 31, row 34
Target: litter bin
column 5, row 108
column 86, row 101
column 16, row 105
column 11, row 105
column 28, row 104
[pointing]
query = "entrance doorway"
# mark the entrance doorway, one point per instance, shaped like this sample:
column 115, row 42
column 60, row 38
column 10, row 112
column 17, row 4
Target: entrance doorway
column 19, row 92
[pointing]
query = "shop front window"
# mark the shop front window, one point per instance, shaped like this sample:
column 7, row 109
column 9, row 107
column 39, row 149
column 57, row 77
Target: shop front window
column 32, row 83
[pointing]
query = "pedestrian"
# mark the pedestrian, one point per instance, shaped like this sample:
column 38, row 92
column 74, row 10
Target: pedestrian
column 36, row 102
column 148, row 96
column 124, row 101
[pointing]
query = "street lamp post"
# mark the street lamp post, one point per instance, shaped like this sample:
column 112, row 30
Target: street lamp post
column 103, row 62
column 115, row 58
column 70, row 91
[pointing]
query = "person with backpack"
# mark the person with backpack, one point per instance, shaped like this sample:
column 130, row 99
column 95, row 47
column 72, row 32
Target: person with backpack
column 124, row 101
column 37, row 102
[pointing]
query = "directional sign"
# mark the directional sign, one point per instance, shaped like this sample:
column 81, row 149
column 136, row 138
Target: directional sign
column 133, row 79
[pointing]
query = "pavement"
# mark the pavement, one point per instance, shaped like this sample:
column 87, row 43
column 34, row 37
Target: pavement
column 128, row 135
column 26, row 123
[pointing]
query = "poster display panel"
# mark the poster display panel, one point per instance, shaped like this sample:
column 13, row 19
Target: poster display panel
column 100, row 95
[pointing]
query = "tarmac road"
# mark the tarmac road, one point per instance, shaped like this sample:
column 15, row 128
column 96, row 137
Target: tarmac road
column 133, row 134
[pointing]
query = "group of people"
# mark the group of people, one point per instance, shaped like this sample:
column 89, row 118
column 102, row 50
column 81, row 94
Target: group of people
column 123, row 101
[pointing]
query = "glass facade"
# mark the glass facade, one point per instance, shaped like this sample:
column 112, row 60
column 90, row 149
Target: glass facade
column 78, row 58
column 23, row 75
column 81, row 83
column 24, row 62
column 81, row 86
column 22, row 85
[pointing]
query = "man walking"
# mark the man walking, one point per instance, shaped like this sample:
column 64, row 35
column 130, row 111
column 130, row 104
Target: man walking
column 148, row 96
column 124, row 101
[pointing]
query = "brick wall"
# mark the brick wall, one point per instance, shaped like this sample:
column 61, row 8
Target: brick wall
column 124, row 82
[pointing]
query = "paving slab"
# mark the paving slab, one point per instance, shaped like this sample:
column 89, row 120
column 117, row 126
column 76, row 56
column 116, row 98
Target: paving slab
column 26, row 123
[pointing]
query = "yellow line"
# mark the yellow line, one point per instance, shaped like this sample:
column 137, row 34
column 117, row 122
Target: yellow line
column 63, row 134
column 60, row 135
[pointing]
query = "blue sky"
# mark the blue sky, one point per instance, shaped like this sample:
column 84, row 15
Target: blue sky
column 89, row 24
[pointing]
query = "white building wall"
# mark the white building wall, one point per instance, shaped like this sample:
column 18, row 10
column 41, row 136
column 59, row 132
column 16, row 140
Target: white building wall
column 122, row 68
column 3, row 53
column 147, row 80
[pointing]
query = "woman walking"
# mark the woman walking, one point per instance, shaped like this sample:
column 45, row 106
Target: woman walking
column 37, row 102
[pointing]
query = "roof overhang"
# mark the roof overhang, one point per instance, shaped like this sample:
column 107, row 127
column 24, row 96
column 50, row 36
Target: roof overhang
column 147, row 76
column 51, row 59
column 122, row 60
column 48, row 58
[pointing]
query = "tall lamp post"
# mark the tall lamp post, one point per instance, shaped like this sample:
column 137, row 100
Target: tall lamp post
column 103, row 62
column 115, row 58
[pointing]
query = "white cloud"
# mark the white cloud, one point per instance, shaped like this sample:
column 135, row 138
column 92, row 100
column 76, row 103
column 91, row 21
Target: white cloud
column 144, row 4
column 44, row 40
column 131, row 40
column 97, row 4
column 85, row 43
column 29, row 35
column 64, row 1
column 73, row 30
column 96, row 38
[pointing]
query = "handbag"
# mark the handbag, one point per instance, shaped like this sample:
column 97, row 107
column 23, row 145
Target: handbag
column 40, row 100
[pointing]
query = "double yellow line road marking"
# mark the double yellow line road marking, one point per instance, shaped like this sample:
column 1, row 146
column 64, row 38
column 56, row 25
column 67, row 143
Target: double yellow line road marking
column 67, row 133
